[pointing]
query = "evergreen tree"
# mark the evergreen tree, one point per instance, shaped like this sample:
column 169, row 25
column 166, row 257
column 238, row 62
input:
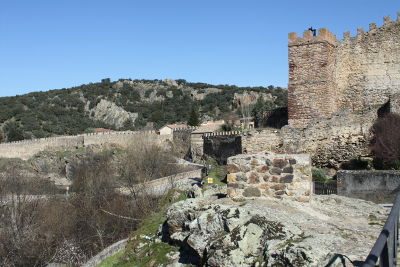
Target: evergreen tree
column 194, row 118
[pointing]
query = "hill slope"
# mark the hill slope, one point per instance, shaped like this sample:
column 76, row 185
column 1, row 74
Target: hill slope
column 124, row 104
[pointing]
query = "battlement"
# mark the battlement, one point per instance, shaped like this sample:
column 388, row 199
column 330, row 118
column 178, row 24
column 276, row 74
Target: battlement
column 324, row 35
column 373, row 28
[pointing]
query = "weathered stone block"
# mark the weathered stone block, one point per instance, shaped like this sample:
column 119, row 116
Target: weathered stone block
column 241, row 177
column 253, row 178
column 231, row 178
column 252, row 192
column 278, row 187
column 275, row 179
column 232, row 185
column 232, row 168
column 288, row 169
column 287, row 178
column 262, row 168
column 264, row 186
column 231, row 192
column 279, row 163
column 280, row 192
column 275, row 170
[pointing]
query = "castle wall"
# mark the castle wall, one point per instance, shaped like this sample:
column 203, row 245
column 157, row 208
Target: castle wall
column 367, row 71
column 28, row 148
column 357, row 74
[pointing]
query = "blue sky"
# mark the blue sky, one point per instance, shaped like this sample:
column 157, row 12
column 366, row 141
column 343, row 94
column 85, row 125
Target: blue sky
column 47, row 44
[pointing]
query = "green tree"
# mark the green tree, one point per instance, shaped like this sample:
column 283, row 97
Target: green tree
column 193, row 117
column 13, row 131
column 261, row 110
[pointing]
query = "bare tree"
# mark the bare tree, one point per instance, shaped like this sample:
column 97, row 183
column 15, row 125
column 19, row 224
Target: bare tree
column 144, row 161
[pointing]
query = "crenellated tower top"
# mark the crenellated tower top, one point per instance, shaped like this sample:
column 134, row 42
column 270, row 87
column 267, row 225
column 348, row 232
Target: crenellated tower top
column 324, row 35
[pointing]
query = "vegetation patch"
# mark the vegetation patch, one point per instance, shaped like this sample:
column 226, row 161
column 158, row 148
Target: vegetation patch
column 144, row 247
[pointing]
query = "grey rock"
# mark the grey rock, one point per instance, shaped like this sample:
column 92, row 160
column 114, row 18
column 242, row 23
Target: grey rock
column 271, row 232
column 112, row 114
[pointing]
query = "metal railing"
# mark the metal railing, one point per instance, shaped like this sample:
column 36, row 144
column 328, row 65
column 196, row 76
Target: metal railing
column 321, row 188
column 384, row 252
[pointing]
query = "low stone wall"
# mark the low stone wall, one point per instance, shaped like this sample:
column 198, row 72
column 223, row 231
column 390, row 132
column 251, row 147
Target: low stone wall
column 268, row 174
column 160, row 186
column 107, row 252
column 377, row 186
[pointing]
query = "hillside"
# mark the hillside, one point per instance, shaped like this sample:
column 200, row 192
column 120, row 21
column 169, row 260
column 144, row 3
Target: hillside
column 123, row 105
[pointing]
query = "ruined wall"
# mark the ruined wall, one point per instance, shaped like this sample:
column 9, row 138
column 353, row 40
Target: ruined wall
column 358, row 74
column 332, row 141
column 268, row 174
column 27, row 148
column 260, row 140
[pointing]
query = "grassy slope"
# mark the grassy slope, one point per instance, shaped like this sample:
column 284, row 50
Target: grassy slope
column 143, row 248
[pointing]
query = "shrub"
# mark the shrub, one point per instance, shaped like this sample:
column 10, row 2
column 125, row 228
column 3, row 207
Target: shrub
column 318, row 175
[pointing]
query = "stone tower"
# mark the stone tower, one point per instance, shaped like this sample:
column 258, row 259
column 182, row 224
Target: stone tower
column 311, row 90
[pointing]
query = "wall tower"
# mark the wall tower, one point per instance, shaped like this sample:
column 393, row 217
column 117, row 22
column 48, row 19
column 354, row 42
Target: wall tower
column 311, row 90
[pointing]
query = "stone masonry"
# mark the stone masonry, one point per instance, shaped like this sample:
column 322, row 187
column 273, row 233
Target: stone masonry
column 356, row 74
column 268, row 174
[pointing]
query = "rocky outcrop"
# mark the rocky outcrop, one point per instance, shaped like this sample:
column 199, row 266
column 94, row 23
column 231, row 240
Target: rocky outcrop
column 271, row 232
column 112, row 114
column 251, row 97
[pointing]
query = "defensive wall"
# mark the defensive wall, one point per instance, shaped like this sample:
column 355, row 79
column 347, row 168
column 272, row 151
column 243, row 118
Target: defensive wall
column 358, row 74
column 378, row 186
column 27, row 148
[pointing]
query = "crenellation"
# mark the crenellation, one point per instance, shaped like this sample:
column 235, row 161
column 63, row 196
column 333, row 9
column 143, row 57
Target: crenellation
column 360, row 33
column 387, row 21
column 372, row 26
column 324, row 35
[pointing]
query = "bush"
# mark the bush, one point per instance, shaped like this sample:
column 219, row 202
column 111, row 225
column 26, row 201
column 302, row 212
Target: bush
column 319, row 175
